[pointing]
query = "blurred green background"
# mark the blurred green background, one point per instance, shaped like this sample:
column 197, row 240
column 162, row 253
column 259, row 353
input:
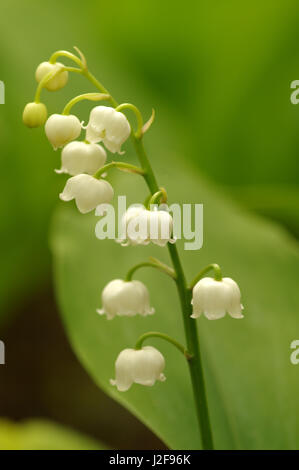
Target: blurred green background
column 218, row 75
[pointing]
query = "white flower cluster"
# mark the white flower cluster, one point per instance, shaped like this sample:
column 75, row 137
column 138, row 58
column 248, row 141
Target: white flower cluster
column 82, row 160
column 105, row 125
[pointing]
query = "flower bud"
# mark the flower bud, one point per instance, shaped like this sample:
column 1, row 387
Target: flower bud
column 61, row 129
column 82, row 157
column 35, row 114
column 216, row 298
column 107, row 125
column 55, row 83
column 87, row 191
column 125, row 299
column 142, row 366
column 143, row 226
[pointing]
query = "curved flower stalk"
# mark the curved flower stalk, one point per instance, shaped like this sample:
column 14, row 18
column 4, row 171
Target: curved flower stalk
column 84, row 161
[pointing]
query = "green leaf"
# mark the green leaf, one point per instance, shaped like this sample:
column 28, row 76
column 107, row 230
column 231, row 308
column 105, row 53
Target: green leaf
column 252, row 386
column 278, row 202
column 42, row 435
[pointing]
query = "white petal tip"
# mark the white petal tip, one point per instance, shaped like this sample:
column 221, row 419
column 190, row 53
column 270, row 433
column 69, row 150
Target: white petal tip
column 119, row 388
column 145, row 313
column 122, row 242
column 237, row 316
column 195, row 315
column 83, row 211
column 100, row 311
column 212, row 316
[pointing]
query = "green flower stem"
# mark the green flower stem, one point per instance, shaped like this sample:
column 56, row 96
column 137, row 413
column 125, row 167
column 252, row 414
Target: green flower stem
column 217, row 274
column 149, row 174
column 159, row 196
column 163, row 266
column 121, row 166
column 138, row 115
column 157, row 334
column 86, row 73
column 73, row 69
column 67, row 54
column 154, row 263
column 190, row 326
column 195, row 363
column 85, row 96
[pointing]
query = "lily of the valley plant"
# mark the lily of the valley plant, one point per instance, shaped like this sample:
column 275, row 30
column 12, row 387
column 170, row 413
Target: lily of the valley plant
column 85, row 161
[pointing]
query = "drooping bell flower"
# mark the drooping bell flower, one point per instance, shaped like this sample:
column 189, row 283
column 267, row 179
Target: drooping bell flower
column 82, row 157
column 87, row 191
column 125, row 298
column 108, row 126
column 142, row 366
column 62, row 129
column 216, row 298
column 142, row 226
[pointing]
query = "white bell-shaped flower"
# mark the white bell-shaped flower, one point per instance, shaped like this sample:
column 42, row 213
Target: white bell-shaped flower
column 216, row 298
column 125, row 298
column 142, row 226
column 142, row 366
column 82, row 157
column 55, row 83
column 61, row 129
column 87, row 191
column 107, row 125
